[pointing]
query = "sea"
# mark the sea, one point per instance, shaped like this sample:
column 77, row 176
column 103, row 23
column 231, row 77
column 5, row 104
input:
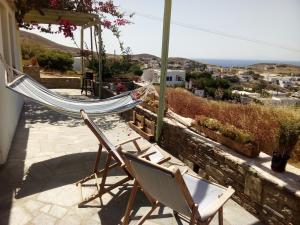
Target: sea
column 243, row 63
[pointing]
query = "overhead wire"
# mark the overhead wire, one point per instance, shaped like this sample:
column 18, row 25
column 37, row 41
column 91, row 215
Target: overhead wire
column 219, row 33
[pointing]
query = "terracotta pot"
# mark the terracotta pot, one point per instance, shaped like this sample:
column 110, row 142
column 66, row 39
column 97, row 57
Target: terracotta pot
column 249, row 150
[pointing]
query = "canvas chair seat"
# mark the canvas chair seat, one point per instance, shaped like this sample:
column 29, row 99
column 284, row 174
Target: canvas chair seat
column 204, row 194
column 187, row 194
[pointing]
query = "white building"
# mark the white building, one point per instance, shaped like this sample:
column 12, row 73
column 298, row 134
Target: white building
column 10, row 103
column 246, row 93
column 150, row 75
column 174, row 77
column 199, row 92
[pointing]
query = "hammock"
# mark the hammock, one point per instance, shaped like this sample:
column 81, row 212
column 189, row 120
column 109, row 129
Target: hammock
column 23, row 84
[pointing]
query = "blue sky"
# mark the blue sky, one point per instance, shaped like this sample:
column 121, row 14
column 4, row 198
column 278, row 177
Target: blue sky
column 275, row 22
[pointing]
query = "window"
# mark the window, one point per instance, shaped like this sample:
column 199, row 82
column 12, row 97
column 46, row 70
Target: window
column 169, row 78
column 178, row 78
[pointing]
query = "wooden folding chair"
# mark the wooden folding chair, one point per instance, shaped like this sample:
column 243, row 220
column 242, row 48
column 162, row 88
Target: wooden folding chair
column 188, row 195
column 113, row 160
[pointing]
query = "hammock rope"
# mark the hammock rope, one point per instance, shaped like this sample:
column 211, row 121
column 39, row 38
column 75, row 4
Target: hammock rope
column 26, row 86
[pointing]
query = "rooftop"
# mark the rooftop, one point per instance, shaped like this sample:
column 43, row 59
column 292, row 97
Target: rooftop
column 50, row 152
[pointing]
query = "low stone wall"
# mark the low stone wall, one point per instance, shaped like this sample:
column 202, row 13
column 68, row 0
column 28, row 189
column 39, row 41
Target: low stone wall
column 53, row 82
column 61, row 82
column 274, row 198
column 33, row 71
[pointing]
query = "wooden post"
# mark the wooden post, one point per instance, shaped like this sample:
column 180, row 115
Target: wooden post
column 82, row 57
column 164, row 66
column 100, row 58
column 92, row 47
column 20, row 63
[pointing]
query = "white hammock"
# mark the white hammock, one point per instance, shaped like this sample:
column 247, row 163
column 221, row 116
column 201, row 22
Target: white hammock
column 23, row 84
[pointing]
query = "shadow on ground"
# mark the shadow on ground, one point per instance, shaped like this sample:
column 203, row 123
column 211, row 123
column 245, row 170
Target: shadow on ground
column 12, row 173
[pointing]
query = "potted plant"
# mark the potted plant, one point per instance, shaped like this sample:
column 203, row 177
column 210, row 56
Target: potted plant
column 226, row 134
column 288, row 138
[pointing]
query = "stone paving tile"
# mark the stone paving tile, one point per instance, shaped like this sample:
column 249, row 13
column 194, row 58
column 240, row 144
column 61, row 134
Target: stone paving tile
column 69, row 219
column 65, row 196
column 57, row 211
column 44, row 219
column 19, row 216
column 50, row 153
column 33, row 205
column 45, row 209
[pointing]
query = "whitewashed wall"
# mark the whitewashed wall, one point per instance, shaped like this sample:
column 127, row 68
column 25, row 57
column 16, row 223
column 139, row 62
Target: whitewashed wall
column 10, row 103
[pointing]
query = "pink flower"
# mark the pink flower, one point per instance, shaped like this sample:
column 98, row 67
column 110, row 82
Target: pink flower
column 67, row 27
column 121, row 22
column 53, row 3
column 106, row 24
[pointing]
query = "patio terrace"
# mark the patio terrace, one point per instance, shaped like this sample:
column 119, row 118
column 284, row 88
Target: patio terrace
column 50, row 152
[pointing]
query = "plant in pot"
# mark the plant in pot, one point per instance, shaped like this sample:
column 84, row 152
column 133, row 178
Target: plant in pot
column 288, row 138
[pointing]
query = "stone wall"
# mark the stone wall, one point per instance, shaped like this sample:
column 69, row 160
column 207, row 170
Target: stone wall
column 61, row 82
column 53, row 82
column 273, row 197
column 33, row 71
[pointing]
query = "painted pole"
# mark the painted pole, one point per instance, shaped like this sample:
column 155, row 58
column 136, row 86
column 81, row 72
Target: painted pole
column 82, row 57
column 92, row 47
column 100, row 58
column 164, row 66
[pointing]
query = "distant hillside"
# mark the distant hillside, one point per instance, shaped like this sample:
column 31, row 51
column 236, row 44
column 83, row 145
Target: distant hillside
column 174, row 60
column 145, row 56
column 284, row 69
column 30, row 38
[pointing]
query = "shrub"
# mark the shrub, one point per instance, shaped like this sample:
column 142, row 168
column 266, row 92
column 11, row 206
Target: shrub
column 31, row 50
column 136, row 69
column 226, row 130
column 288, row 136
column 57, row 60
column 263, row 123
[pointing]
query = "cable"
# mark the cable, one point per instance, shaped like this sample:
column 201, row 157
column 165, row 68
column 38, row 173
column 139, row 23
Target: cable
column 219, row 33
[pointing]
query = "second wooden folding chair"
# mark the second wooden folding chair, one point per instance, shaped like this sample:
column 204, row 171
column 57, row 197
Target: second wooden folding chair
column 190, row 196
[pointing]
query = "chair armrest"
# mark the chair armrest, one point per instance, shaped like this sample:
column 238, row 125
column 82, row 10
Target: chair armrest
column 164, row 160
column 211, row 210
column 161, row 161
column 132, row 140
column 146, row 154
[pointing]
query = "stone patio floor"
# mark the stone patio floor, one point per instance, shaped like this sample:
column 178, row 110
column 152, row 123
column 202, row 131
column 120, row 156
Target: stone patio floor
column 50, row 152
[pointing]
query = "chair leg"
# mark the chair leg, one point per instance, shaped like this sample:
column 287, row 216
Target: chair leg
column 105, row 172
column 142, row 220
column 96, row 166
column 193, row 216
column 220, row 213
column 130, row 203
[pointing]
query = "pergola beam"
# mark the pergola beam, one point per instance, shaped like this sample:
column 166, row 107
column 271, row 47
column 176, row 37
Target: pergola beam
column 164, row 66
column 53, row 16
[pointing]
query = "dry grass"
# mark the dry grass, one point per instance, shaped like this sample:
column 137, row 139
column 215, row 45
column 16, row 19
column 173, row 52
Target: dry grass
column 262, row 122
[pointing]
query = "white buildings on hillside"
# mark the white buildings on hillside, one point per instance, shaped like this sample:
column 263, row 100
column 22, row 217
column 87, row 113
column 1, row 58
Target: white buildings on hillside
column 282, row 81
column 174, row 77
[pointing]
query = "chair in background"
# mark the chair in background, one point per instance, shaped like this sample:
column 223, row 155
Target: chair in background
column 188, row 195
column 113, row 160
column 88, row 83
